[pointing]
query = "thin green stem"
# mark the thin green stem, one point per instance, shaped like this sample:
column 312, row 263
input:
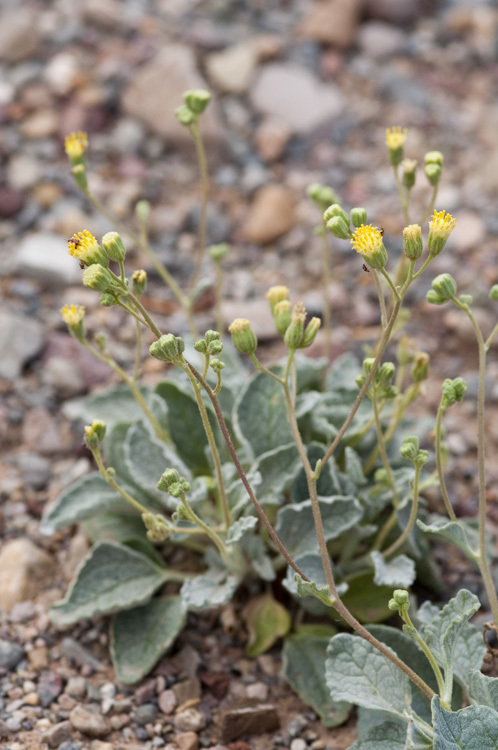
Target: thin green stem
column 131, row 312
column 402, row 195
column 112, row 482
column 257, row 364
column 411, row 521
column 422, row 268
column 383, row 452
column 430, row 207
column 380, row 294
column 207, row 529
column 218, row 299
column 161, row 432
column 391, row 284
column 116, row 223
column 439, row 463
column 201, row 157
column 491, row 337
column 481, row 460
column 218, row 383
column 326, row 317
column 138, row 353
column 430, row 658
column 122, row 271
column 223, row 500
column 148, row 320
column 383, row 533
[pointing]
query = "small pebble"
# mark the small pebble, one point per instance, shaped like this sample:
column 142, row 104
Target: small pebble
column 167, row 701
column 145, row 713
column 190, row 720
column 298, row 744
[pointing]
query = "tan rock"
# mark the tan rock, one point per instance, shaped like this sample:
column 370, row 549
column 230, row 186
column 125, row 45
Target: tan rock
column 332, row 22
column 187, row 740
column 232, row 69
column 157, row 90
column 270, row 138
column 19, row 36
column 24, row 569
column 271, row 214
column 38, row 658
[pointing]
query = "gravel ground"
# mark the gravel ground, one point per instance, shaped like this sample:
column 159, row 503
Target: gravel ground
column 303, row 92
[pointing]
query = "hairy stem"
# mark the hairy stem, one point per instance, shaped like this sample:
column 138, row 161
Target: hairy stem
column 383, row 451
column 439, row 464
column 411, row 521
column 201, row 157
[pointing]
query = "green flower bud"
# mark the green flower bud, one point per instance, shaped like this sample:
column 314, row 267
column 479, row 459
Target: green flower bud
column 409, row 448
column 401, row 596
column 310, row 332
column 98, row 277
column 395, row 140
column 139, row 282
column 158, row 528
column 211, row 336
column 493, row 293
column 168, row 348
column 142, row 210
column 216, row 364
column 94, row 434
column 113, row 245
column 218, row 252
column 197, row 100
column 200, row 346
column 276, row 294
column 434, row 298
column 368, row 364
column 385, row 373
column 339, row 228
column 184, row 115
column 445, row 286
column 434, row 157
column 100, row 340
column 80, row 176
column 336, row 210
column 294, row 334
column 110, row 473
column 412, row 241
column 215, row 347
column 322, row 195
column 466, row 299
column 420, row 369
column 433, row 173
column 453, row 391
column 168, row 477
column 243, row 337
column 393, row 605
column 409, row 167
column 73, row 315
column 358, row 216
column 107, row 299
column 282, row 314
column 359, row 380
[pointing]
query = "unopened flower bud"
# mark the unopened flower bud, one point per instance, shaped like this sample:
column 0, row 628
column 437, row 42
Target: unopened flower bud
column 211, row 335
column 218, row 252
column 440, row 227
column 100, row 340
column 322, row 195
column 107, row 299
column 80, row 176
column 401, row 596
column 395, row 140
column 200, row 346
column 336, row 210
column 158, row 527
column 420, row 369
column 412, row 241
column 385, row 373
column 73, row 315
column 94, row 434
column 75, row 146
column 98, row 277
column 310, row 332
column 215, row 347
column 197, row 100
column 142, row 210
column 409, row 167
column 358, row 216
column 339, row 228
column 294, row 334
column 139, row 282
column 282, row 314
column 276, row 294
column 409, row 448
column 168, row 348
column 493, row 293
column 168, row 477
column 243, row 337
column 445, row 286
column 434, row 157
column 433, row 173
column 114, row 247
column 184, row 115
column 433, row 298
column 216, row 364
column 368, row 364
column 177, row 489
column 453, row 391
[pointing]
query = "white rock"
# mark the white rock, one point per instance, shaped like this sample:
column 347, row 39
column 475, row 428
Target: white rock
column 21, row 338
column 292, row 94
column 23, row 171
column 157, row 90
column 45, row 256
column 24, row 569
column 379, row 40
column 61, row 72
column 232, row 69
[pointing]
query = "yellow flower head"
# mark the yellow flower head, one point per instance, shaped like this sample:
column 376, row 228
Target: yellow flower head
column 276, row 294
column 299, row 313
column 442, row 224
column 395, row 138
column 239, row 325
column 72, row 315
column 76, row 144
column 243, row 337
column 367, row 241
column 86, row 249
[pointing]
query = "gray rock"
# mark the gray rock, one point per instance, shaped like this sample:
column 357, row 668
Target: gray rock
column 248, row 720
column 89, row 722
column 70, row 746
column 4, row 730
column 35, row 469
column 10, row 654
column 379, row 40
column 14, row 724
column 19, row 36
column 77, row 653
column 298, row 744
column 21, row 339
column 167, row 701
column 23, row 611
column 76, row 687
column 59, row 733
column 156, row 90
column 145, row 714
column 293, row 95
column 49, row 688
column 45, row 256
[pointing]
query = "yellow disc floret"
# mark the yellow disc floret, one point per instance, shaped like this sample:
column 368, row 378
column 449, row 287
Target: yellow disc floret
column 276, row 294
column 367, row 241
column 72, row 315
column 440, row 227
column 395, row 137
column 86, row 249
column 76, row 144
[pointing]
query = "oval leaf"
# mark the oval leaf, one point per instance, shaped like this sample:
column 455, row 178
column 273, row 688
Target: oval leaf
column 267, row 620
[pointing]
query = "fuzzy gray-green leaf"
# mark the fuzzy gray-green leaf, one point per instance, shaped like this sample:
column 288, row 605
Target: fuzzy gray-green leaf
column 389, row 735
column 399, row 572
column 357, row 673
column 113, row 406
column 296, row 528
column 443, row 631
column 240, row 527
column 140, row 636
column 483, row 690
column 209, row 590
column 277, row 468
column 112, row 577
column 303, row 668
column 260, row 416
column 472, row 728
column 464, row 534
